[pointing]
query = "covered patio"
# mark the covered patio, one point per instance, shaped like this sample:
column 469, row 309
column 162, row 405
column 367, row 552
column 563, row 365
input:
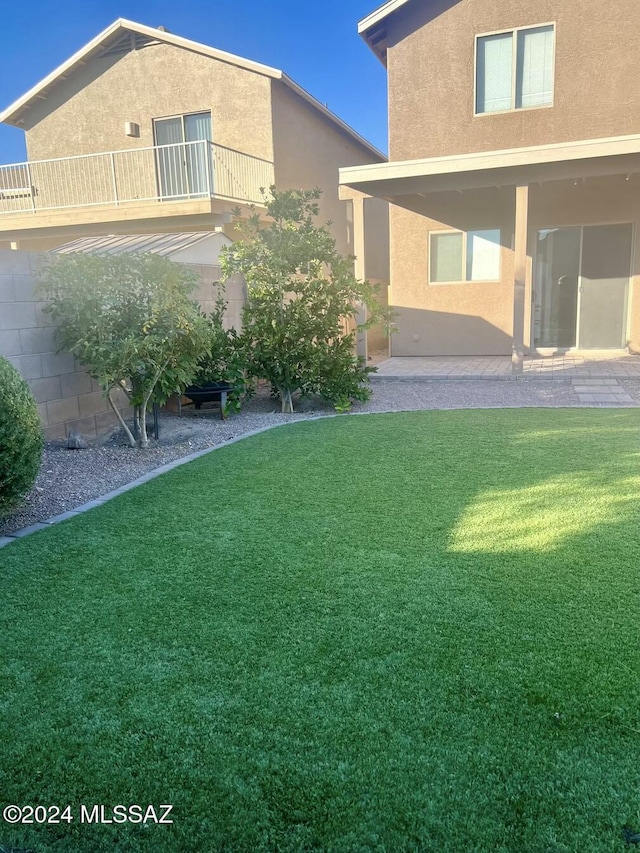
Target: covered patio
column 538, row 200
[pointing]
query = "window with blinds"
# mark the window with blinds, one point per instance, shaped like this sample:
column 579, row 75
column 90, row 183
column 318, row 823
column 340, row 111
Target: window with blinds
column 515, row 69
column 456, row 256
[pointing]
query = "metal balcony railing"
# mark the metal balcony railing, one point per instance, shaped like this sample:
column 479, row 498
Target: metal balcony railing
column 185, row 170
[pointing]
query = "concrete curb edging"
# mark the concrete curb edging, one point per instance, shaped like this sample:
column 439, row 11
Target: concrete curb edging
column 184, row 460
column 145, row 478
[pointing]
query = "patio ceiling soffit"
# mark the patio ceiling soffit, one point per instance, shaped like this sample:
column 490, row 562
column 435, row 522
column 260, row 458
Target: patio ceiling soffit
column 535, row 165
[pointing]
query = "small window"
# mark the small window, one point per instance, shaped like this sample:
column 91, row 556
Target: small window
column 515, row 69
column 455, row 256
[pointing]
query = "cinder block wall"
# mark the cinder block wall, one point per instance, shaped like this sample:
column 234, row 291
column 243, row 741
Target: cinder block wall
column 233, row 291
column 66, row 395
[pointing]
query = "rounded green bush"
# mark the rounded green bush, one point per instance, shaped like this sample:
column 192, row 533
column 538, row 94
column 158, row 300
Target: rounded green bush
column 20, row 437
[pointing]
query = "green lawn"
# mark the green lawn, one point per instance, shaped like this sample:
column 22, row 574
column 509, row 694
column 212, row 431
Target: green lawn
column 408, row 632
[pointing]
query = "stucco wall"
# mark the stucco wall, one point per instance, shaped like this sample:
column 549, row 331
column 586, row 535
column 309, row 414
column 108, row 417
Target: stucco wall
column 376, row 239
column 309, row 151
column 86, row 113
column 431, row 75
column 474, row 318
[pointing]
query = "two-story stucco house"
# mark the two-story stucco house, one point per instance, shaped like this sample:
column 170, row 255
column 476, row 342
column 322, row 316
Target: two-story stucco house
column 142, row 131
column 514, row 174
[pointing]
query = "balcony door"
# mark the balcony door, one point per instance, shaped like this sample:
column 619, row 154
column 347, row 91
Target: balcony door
column 184, row 166
column 582, row 287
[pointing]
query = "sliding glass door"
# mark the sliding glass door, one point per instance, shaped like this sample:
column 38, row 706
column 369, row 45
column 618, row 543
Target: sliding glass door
column 556, row 288
column 581, row 287
column 604, row 286
column 184, row 170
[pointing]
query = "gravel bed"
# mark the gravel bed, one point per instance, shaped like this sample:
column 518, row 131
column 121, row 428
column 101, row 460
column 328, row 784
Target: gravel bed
column 68, row 478
column 632, row 388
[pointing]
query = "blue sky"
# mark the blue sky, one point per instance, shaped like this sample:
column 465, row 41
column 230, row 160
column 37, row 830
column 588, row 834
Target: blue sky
column 315, row 43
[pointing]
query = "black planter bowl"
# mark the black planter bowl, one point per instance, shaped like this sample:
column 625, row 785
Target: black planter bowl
column 209, row 392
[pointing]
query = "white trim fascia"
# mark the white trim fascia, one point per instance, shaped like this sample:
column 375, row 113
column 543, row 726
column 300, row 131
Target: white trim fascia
column 379, row 14
column 480, row 161
column 131, row 26
column 197, row 47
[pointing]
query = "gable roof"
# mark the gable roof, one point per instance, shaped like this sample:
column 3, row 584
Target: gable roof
column 373, row 28
column 123, row 35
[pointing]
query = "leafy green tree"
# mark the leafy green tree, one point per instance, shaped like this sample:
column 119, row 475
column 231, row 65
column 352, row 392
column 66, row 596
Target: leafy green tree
column 130, row 321
column 299, row 323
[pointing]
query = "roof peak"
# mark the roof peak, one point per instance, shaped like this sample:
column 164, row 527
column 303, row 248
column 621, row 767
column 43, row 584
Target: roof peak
column 12, row 114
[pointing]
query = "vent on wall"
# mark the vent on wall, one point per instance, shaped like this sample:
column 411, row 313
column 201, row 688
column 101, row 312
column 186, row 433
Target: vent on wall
column 127, row 42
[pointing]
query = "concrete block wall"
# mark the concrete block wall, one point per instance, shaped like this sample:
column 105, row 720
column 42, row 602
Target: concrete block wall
column 66, row 395
column 234, row 291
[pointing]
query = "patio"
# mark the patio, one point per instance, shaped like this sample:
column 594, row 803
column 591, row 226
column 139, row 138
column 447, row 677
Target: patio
column 605, row 365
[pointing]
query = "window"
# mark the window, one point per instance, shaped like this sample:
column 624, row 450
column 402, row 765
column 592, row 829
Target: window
column 455, row 256
column 514, row 70
column 183, row 156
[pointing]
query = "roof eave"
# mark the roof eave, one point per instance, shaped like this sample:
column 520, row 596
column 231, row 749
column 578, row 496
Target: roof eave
column 372, row 28
column 11, row 114
column 452, row 172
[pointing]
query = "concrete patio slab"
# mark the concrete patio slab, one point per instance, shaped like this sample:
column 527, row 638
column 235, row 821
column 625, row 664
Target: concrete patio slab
column 591, row 367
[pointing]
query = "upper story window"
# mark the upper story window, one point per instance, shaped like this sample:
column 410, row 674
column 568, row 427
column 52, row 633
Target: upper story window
column 515, row 69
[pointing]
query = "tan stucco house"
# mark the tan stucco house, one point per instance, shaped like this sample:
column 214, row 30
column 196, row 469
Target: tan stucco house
column 513, row 174
column 144, row 132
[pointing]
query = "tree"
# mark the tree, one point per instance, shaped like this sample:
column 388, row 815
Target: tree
column 298, row 323
column 131, row 323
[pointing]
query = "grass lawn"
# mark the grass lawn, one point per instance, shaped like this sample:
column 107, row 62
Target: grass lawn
column 407, row 632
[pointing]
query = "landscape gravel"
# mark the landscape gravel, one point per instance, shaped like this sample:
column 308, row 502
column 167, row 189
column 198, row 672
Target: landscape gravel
column 69, row 478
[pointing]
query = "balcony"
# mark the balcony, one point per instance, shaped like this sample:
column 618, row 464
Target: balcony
column 190, row 183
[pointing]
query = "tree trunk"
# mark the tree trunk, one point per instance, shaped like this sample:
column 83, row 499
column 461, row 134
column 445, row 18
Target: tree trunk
column 136, row 424
column 143, row 441
column 287, row 401
column 130, row 436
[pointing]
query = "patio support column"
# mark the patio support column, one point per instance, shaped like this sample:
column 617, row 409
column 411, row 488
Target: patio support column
column 360, row 269
column 520, row 277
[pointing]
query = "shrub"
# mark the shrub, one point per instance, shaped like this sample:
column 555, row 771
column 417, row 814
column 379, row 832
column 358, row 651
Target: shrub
column 131, row 322
column 20, row 437
column 302, row 299
column 225, row 360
